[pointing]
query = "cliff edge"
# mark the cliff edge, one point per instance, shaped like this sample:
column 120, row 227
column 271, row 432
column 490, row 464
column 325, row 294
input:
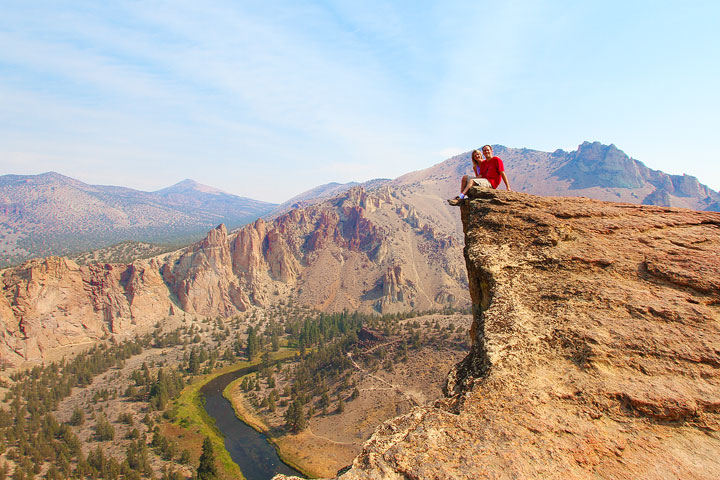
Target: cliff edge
column 596, row 349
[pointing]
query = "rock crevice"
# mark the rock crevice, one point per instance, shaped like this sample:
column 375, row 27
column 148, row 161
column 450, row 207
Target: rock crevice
column 583, row 364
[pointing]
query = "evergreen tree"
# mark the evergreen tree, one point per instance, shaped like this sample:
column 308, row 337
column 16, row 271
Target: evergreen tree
column 324, row 402
column 207, row 469
column 78, row 417
column 194, row 362
column 185, row 457
column 295, row 417
column 103, row 429
column 253, row 344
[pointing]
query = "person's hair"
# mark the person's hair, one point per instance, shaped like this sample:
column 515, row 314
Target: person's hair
column 486, row 146
column 472, row 155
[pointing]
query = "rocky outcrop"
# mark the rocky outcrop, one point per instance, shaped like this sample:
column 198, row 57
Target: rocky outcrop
column 595, row 164
column 395, row 290
column 595, row 349
column 354, row 252
column 49, row 304
column 598, row 165
column 202, row 277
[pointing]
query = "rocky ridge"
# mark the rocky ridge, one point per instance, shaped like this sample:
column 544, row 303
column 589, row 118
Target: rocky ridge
column 595, row 349
column 594, row 170
column 359, row 251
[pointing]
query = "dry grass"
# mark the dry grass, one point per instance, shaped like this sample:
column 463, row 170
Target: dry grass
column 333, row 440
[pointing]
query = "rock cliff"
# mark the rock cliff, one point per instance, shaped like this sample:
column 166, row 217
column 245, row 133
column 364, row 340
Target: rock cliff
column 361, row 251
column 595, row 349
column 48, row 304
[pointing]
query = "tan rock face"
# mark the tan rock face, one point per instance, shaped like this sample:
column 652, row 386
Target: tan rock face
column 202, row 277
column 596, row 349
column 49, row 304
column 356, row 251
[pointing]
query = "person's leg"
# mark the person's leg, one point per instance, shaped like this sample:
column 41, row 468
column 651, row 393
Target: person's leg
column 480, row 182
column 464, row 183
column 468, row 185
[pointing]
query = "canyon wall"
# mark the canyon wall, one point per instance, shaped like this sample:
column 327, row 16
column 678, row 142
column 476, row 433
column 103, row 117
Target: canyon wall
column 358, row 251
column 595, row 349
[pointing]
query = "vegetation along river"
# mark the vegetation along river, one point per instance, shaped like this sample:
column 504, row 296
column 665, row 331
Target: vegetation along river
column 249, row 448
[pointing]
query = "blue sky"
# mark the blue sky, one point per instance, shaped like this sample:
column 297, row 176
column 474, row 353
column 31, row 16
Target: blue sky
column 268, row 99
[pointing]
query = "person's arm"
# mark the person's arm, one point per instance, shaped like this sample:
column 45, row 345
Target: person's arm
column 504, row 177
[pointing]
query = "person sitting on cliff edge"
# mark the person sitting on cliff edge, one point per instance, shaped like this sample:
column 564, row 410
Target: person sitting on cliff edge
column 488, row 173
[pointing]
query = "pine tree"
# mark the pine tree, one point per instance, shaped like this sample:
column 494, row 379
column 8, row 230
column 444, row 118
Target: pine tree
column 207, row 469
column 253, row 344
column 185, row 458
column 193, row 362
column 78, row 417
column 324, row 402
column 271, row 403
column 103, row 429
column 295, row 419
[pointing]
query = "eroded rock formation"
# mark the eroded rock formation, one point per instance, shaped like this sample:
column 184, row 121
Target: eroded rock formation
column 356, row 251
column 53, row 303
column 596, row 349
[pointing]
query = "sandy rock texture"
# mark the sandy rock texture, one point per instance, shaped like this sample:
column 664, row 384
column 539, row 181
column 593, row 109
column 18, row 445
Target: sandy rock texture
column 596, row 349
column 361, row 251
column 358, row 251
column 51, row 305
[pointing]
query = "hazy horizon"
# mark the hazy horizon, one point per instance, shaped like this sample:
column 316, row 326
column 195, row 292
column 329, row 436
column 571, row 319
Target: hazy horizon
column 236, row 96
column 278, row 200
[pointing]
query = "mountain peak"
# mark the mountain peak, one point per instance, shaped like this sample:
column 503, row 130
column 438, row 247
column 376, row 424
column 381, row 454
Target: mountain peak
column 595, row 164
column 46, row 178
column 189, row 185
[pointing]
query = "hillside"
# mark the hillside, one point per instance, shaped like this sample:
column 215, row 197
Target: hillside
column 594, row 170
column 387, row 246
column 361, row 251
column 594, row 349
column 50, row 214
column 324, row 192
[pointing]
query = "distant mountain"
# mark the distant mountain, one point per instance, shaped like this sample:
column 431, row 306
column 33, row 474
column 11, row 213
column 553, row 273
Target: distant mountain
column 594, row 170
column 359, row 251
column 51, row 214
column 384, row 246
column 189, row 195
column 322, row 192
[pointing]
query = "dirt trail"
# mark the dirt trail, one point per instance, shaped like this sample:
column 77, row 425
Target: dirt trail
column 408, row 396
column 309, row 430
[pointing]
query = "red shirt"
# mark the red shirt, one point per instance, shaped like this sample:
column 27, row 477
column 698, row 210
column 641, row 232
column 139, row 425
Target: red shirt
column 491, row 169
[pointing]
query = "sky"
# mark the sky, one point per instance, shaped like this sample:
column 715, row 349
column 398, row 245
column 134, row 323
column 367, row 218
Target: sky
column 269, row 99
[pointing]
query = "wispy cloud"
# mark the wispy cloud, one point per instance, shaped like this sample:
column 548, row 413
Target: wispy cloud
column 231, row 94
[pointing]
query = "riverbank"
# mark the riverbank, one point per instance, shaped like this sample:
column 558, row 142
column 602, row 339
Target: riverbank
column 192, row 423
column 314, row 456
column 372, row 391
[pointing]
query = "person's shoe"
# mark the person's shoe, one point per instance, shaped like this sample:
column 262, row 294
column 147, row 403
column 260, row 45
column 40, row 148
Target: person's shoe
column 455, row 201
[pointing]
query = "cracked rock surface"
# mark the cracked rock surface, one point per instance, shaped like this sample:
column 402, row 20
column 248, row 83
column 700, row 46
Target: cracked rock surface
column 596, row 349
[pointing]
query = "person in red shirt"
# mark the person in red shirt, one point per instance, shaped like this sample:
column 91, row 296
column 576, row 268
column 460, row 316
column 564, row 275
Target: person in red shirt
column 488, row 173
